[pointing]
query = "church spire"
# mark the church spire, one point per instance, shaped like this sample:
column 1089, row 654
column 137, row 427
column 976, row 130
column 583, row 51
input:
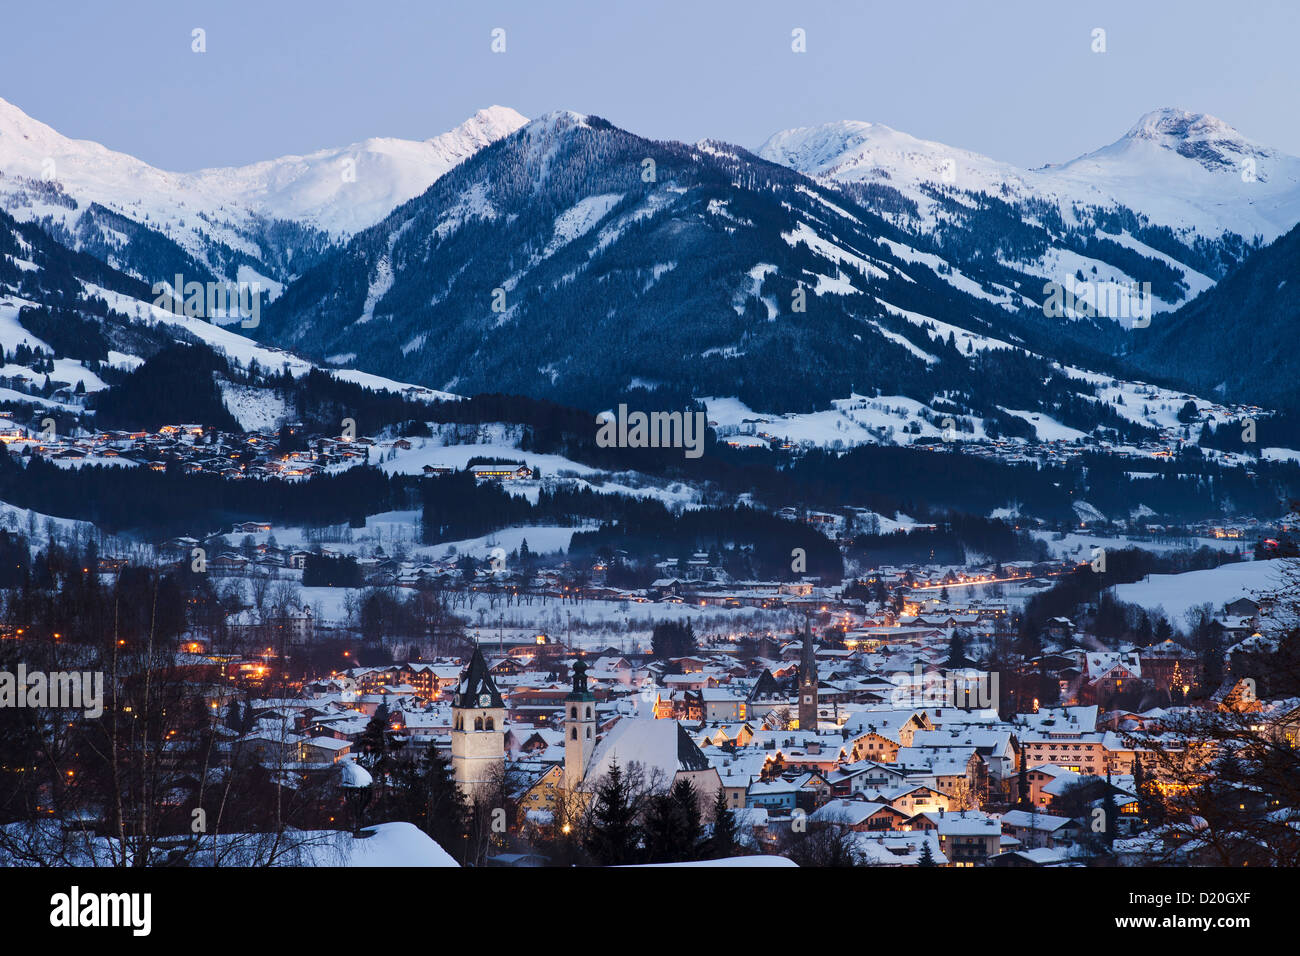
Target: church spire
column 580, row 728
column 478, row 734
column 807, row 680
column 477, row 688
column 580, row 691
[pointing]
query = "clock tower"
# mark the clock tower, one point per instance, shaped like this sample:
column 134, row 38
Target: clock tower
column 478, row 732
column 579, row 728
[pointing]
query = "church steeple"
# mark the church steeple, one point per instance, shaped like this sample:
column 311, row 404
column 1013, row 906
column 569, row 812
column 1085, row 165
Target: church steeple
column 580, row 691
column 477, row 689
column 478, row 733
column 579, row 728
column 807, row 680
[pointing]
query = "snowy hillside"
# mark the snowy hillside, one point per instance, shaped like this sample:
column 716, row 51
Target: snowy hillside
column 1175, row 203
column 1188, row 170
column 44, row 174
column 346, row 189
column 1180, row 169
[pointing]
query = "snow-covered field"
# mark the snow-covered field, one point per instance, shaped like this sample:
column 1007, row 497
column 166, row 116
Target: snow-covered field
column 541, row 539
column 1079, row 546
column 1179, row 593
column 498, row 441
column 626, row 625
column 849, row 421
column 860, row 420
column 13, row 518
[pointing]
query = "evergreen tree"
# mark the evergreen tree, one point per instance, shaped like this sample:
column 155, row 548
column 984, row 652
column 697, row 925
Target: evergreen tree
column 672, row 825
column 661, row 830
column 1112, row 813
column 377, row 744
column 723, row 841
column 613, row 835
column 234, row 717
column 673, row 639
column 688, row 811
column 439, row 806
column 957, row 649
column 1150, row 803
column 927, row 855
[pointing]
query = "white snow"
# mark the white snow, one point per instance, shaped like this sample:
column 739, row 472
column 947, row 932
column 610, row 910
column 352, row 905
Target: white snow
column 580, row 219
column 1179, row 593
column 340, row 190
column 1143, row 170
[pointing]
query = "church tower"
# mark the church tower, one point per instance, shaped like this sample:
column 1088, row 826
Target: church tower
column 478, row 732
column 579, row 728
column 807, row 681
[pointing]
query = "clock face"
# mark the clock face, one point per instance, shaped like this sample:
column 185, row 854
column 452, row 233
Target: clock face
column 484, row 700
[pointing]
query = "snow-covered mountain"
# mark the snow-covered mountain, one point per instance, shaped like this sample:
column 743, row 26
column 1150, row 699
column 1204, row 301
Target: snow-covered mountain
column 71, row 326
column 548, row 266
column 268, row 220
column 1188, row 170
column 872, row 263
column 1183, row 170
column 1178, row 201
column 851, row 151
column 342, row 191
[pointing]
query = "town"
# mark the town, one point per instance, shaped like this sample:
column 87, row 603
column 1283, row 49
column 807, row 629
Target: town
column 912, row 716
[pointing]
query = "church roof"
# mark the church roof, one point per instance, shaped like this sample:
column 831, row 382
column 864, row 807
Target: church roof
column 807, row 656
column 765, row 686
column 477, row 682
column 661, row 746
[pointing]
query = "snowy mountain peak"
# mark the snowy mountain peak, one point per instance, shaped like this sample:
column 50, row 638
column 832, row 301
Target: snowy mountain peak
column 1197, row 136
column 1171, row 121
column 339, row 190
column 343, row 190
column 1179, row 168
column 492, row 123
column 484, row 127
column 851, row 151
column 808, row 147
column 556, row 122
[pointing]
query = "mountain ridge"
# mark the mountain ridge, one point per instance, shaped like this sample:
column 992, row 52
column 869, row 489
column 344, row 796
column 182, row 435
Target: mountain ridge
column 264, row 221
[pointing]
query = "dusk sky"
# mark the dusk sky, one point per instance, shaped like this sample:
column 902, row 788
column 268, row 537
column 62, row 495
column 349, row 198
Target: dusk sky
column 1017, row 81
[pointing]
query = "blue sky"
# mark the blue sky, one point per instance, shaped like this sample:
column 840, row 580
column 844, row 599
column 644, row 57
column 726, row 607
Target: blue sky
column 1015, row 80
